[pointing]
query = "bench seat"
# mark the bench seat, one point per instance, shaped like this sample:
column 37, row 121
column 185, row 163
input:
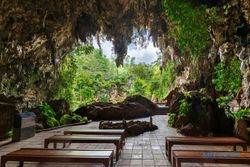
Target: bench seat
column 97, row 132
column 116, row 140
column 214, row 141
column 61, row 155
column 198, row 156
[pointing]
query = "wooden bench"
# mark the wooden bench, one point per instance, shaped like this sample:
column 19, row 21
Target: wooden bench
column 216, row 141
column 116, row 140
column 51, row 155
column 98, row 132
column 198, row 156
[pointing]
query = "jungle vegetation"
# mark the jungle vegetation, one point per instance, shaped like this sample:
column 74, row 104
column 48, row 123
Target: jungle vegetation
column 88, row 76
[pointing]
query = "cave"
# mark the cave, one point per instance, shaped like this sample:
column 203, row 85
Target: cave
column 197, row 39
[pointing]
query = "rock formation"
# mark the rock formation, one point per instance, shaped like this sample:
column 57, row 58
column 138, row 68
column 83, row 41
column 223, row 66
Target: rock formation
column 130, row 108
column 198, row 115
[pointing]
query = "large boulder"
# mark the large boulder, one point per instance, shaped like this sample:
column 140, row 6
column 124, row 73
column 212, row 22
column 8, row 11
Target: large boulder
column 130, row 108
column 8, row 110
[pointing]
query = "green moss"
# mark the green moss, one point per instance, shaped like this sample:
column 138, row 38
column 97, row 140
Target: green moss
column 190, row 25
column 228, row 77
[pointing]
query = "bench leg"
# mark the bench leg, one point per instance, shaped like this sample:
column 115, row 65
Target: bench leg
column 234, row 147
column 3, row 162
column 20, row 164
column 54, row 144
column 244, row 147
column 178, row 163
column 174, row 161
column 106, row 163
column 123, row 140
column 46, row 144
column 169, row 151
column 117, row 150
column 166, row 148
column 111, row 161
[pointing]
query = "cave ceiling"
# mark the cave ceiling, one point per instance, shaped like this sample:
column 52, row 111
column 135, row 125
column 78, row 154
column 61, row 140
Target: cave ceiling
column 43, row 32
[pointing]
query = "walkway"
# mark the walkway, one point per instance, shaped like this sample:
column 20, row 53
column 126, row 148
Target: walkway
column 146, row 150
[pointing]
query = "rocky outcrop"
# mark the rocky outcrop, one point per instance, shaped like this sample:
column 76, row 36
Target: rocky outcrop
column 198, row 114
column 132, row 107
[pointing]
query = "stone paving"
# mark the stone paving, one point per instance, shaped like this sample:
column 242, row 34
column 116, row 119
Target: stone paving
column 146, row 150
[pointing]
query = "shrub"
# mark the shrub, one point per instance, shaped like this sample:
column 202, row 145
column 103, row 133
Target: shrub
column 241, row 113
column 48, row 115
column 171, row 119
column 184, row 108
column 9, row 134
column 66, row 119
column 223, row 101
column 52, row 122
column 228, row 77
column 85, row 119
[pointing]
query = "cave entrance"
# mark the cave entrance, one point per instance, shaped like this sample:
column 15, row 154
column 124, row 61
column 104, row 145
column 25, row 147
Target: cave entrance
column 90, row 74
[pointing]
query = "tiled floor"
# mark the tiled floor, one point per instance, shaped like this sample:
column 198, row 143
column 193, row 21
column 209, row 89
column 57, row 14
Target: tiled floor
column 146, row 150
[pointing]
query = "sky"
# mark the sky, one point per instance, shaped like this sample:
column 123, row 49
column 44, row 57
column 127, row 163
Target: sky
column 146, row 54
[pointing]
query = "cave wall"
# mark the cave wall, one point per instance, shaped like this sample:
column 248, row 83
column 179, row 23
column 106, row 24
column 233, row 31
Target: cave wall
column 223, row 45
column 36, row 35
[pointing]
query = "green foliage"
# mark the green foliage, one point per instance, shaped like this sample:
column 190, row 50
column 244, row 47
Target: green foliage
column 66, row 119
column 48, row 115
column 224, row 100
column 184, row 108
column 75, row 118
column 88, row 76
column 84, row 119
column 52, row 122
column 139, row 87
column 171, row 119
column 9, row 134
column 227, row 8
column 241, row 113
column 228, row 77
column 190, row 25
